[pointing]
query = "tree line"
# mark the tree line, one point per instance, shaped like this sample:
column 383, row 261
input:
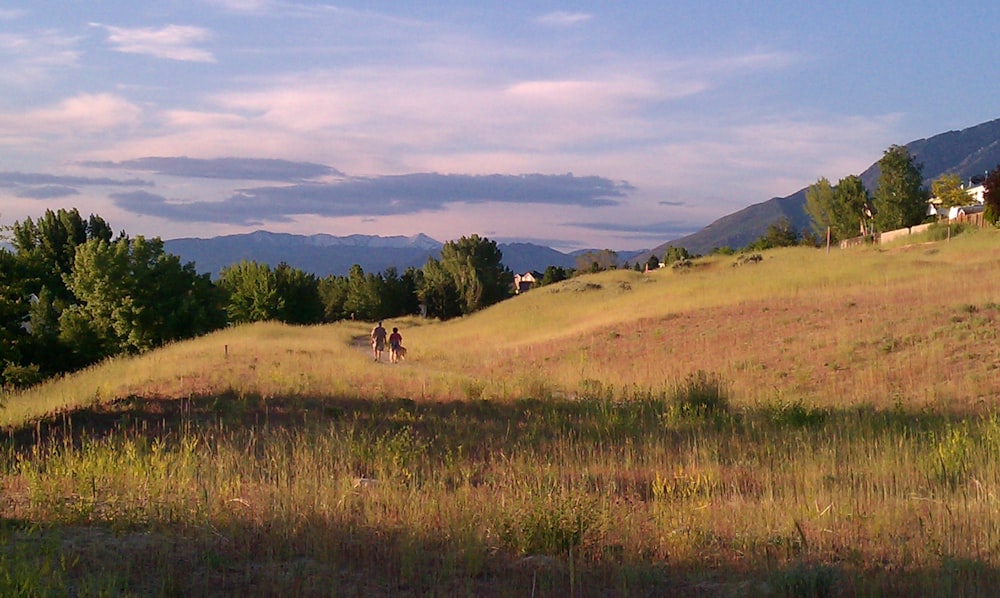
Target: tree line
column 899, row 200
column 72, row 293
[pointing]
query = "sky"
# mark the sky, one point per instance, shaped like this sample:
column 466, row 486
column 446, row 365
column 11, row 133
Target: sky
column 618, row 125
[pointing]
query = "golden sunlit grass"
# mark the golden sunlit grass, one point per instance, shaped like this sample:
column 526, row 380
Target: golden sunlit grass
column 814, row 424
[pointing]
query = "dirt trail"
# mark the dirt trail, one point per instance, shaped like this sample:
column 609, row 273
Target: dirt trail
column 364, row 343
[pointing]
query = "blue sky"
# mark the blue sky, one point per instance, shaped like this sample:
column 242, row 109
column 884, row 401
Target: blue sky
column 586, row 124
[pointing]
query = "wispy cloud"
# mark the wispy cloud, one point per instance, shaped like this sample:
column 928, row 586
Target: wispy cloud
column 563, row 18
column 81, row 114
column 173, row 42
column 381, row 196
column 244, row 6
column 246, row 169
column 47, row 192
column 32, row 57
column 8, row 179
column 41, row 186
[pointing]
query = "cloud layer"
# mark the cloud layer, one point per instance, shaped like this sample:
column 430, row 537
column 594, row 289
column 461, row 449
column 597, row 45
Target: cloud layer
column 235, row 169
column 380, row 196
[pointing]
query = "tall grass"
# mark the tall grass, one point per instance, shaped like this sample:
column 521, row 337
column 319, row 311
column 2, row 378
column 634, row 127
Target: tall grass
column 815, row 424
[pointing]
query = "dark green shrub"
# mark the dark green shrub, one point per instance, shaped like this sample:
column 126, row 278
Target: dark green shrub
column 702, row 393
column 796, row 415
column 939, row 231
column 21, row 376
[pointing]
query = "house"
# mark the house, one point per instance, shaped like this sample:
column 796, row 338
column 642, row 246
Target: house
column 26, row 320
column 977, row 202
column 524, row 282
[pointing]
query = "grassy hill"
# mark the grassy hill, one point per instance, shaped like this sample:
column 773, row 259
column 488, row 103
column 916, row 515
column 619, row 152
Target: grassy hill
column 814, row 424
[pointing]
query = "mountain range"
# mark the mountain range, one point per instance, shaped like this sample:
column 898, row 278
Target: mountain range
column 325, row 255
column 969, row 152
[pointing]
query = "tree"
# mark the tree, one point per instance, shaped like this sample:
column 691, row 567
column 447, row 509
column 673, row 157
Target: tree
column 370, row 296
column 991, row 196
column 780, row 233
column 899, row 199
column 470, row 273
column 841, row 208
column 300, row 293
column 850, row 199
column 555, row 274
column 653, row 263
column 333, row 293
column 252, row 290
column 820, row 206
column 675, row 254
column 49, row 245
column 12, row 335
column 948, row 189
column 439, row 292
column 597, row 261
column 132, row 296
column 365, row 294
column 401, row 291
column 256, row 293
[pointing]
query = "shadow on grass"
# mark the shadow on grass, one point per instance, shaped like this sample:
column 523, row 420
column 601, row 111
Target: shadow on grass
column 530, row 423
column 325, row 559
column 349, row 556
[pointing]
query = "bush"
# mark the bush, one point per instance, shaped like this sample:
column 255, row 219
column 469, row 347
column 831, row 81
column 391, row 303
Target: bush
column 796, row 415
column 702, row 393
column 21, row 376
column 939, row 231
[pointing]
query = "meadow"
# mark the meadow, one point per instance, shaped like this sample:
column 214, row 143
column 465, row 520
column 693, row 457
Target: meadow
column 815, row 424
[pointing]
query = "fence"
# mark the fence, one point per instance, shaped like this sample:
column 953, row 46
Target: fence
column 975, row 219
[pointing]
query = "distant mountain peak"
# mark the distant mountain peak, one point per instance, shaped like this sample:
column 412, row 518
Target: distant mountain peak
column 324, row 254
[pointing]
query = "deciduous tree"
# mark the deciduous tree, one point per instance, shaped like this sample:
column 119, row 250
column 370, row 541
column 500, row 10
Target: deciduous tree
column 252, row 292
column 991, row 196
column 841, row 207
column 300, row 292
column 554, row 274
column 819, row 205
column 949, row 190
column 899, row 198
column 132, row 296
column 439, row 292
column 469, row 276
column 780, row 233
column 675, row 254
column 597, row 261
column 850, row 198
column 49, row 245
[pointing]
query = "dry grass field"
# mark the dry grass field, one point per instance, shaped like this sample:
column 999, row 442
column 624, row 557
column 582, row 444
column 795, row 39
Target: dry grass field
column 815, row 424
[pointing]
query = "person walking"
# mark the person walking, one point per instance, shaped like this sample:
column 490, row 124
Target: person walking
column 395, row 345
column 378, row 341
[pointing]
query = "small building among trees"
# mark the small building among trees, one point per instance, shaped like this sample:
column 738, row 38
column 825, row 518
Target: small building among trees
column 526, row 281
